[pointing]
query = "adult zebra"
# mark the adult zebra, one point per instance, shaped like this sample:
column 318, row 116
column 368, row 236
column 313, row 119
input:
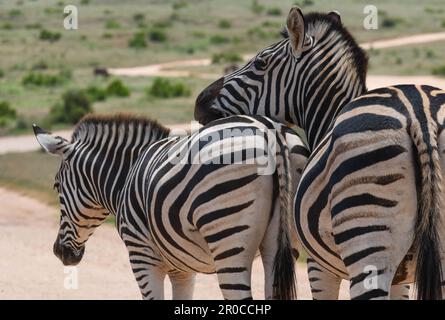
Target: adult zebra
column 182, row 205
column 345, row 214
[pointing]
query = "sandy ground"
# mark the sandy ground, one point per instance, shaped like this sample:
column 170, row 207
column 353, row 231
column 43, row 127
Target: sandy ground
column 29, row 270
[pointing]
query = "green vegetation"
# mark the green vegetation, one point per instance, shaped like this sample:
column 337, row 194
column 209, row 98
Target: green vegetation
column 75, row 104
column 118, row 89
column 226, row 57
column 164, row 88
column 2, row 73
column 42, row 79
column 274, row 11
column 157, row 35
column 96, row 94
column 49, row 36
column 439, row 71
column 138, row 41
column 6, row 113
column 224, row 24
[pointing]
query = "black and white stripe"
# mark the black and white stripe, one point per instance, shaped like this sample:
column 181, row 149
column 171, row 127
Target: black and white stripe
column 178, row 218
column 310, row 79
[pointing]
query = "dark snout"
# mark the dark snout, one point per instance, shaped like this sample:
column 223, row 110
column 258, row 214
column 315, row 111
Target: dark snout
column 66, row 254
column 204, row 113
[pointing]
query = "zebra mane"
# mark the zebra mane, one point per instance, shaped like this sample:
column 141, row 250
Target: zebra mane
column 90, row 122
column 359, row 56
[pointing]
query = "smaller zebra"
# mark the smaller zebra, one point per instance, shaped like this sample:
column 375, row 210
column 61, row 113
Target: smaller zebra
column 178, row 216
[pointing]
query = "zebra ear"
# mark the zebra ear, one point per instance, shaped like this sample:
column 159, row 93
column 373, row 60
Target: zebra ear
column 51, row 143
column 335, row 15
column 296, row 29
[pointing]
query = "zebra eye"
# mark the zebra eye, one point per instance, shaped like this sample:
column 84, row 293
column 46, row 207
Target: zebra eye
column 260, row 63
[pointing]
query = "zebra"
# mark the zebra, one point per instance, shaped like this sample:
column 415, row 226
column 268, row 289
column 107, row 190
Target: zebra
column 307, row 79
column 178, row 216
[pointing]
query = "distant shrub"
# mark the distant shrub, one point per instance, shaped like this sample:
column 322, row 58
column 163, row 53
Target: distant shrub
column 224, row 24
column 162, row 24
column 42, row 80
column 443, row 24
column 157, row 35
column 85, row 2
column 164, row 88
column 256, row 8
column 138, row 41
column 227, row 57
column 179, row 5
column 274, row 11
column 439, row 71
column 257, row 32
column 7, row 26
column 2, row 73
column 117, row 88
column 50, row 10
column 218, row 39
column 15, row 13
column 47, row 35
column 6, row 111
column 40, row 65
column 304, row 3
column 75, row 104
column 138, row 17
column 60, row 3
column 391, row 22
column 107, row 35
column 430, row 54
column 112, row 24
column 33, row 26
column 96, row 94
column 22, row 124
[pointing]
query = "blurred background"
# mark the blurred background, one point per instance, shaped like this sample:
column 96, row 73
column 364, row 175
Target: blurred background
column 150, row 58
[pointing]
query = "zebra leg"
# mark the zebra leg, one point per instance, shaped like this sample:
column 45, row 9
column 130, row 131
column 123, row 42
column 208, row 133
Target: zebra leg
column 400, row 292
column 183, row 285
column 148, row 273
column 324, row 285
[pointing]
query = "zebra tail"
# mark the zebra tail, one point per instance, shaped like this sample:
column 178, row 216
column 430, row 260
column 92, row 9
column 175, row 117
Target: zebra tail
column 428, row 275
column 284, row 262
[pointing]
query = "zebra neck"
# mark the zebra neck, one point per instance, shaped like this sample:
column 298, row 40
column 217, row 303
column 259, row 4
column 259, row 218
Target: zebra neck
column 320, row 108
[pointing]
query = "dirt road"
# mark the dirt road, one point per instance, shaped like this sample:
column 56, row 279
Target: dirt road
column 29, row 270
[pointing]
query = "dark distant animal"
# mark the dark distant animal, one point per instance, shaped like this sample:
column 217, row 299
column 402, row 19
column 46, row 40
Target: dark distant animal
column 101, row 72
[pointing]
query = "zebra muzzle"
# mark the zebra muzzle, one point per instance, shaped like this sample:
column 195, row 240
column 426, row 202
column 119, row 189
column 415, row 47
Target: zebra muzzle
column 66, row 254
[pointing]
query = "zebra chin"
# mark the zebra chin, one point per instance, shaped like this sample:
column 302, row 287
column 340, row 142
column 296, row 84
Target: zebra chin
column 66, row 254
column 204, row 113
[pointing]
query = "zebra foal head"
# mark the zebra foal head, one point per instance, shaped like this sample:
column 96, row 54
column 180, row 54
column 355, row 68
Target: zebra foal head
column 79, row 214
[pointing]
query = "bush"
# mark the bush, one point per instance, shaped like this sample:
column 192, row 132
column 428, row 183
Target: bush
column 157, row 35
column 138, row 41
column 389, row 22
column 179, row 5
column 75, row 104
column 112, row 24
column 117, row 88
column 164, row 88
column 33, row 26
column 40, row 65
column 46, row 35
column 227, row 57
column 96, row 94
column 439, row 71
column 224, row 24
column 2, row 73
column 15, row 13
column 218, row 39
column 6, row 111
column 274, row 12
column 42, row 80
column 139, row 18
column 256, row 7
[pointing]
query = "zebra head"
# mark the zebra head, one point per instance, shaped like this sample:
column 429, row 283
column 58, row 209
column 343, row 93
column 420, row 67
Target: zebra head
column 79, row 214
column 302, row 79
